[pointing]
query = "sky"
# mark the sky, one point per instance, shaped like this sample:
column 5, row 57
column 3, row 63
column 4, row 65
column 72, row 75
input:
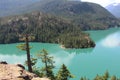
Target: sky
column 103, row 3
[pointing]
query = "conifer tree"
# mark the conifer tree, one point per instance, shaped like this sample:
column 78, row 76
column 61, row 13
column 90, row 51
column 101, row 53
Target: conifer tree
column 63, row 73
column 106, row 75
column 113, row 78
column 48, row 62
column 26, row 47
column 83, row 78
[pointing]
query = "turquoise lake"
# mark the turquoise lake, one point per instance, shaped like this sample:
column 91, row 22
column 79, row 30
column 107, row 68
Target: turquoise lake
column 81, row 62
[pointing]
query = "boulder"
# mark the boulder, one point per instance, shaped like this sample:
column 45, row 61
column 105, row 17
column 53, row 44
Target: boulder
column 3, row 62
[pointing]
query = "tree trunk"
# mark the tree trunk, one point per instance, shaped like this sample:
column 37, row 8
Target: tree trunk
column 28, row 54
column 46, row 67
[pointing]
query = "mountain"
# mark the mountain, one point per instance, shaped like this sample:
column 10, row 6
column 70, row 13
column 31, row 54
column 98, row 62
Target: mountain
column 88, row 16
column 10, row 7
column 114, row 9
column 45, row 28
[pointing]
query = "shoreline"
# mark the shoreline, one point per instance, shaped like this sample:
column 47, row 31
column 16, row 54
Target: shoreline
column 62, row 46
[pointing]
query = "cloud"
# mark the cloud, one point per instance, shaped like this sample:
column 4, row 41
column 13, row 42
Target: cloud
column 13, row 59
column 63, row 57
column 103, row 3
column 112, row 40
column 74, row 0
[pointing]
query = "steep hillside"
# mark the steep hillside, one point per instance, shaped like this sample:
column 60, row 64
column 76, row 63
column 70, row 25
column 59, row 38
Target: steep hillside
column 10, row 7
column 114, row 9
column 85, row 15
column 45, row 28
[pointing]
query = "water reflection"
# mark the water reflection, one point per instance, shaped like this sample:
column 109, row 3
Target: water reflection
column 101, row 34
column 81, row 62
column 13, row 59
column 66, row 56
column 80, row 51
column 112, row 40
column 62, row 57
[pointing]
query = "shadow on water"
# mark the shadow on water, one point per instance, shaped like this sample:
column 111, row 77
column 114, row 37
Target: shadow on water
column 80, row 51
column 101, row 34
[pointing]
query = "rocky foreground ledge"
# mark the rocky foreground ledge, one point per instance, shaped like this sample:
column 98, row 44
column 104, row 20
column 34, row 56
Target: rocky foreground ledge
column 16, row 72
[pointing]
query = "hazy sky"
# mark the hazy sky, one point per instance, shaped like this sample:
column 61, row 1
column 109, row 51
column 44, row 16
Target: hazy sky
column 103, row 2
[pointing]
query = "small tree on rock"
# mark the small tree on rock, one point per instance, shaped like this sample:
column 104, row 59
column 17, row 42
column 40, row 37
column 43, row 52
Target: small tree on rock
column 48, row 62
column 26, row 47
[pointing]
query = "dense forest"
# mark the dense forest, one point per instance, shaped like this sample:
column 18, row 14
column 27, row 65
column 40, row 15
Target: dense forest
column 45, row 28
column 87, row 16
column 62, row 24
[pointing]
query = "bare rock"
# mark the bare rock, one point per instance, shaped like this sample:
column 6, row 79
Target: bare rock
column 16, row 72
column 3, row 62
column 20, row 65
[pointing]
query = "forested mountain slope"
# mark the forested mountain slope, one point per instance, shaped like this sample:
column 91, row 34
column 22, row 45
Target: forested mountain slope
column 11, row 7
column 88, row 16
column 45, row 28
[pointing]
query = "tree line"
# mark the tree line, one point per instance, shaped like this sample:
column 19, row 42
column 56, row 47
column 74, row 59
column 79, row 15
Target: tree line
column 45, row 28
column 48, row 69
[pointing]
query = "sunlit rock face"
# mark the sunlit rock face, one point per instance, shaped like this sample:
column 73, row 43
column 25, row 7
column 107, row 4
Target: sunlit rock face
column 16, row 72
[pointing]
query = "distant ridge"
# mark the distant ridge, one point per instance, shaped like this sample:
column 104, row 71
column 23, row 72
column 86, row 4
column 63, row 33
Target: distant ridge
column 11, row 7
column 88, row 16
column 114, row 8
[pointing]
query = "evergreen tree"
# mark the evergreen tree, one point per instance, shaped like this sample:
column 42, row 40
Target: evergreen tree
column 98, row 77
column 26, row 48
column 48, row 62
column 113, row 78
column 83, row 78
column 63, row 73
column 106, row 75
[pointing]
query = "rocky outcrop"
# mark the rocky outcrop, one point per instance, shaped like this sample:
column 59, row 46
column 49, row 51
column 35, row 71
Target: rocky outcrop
column 16, row 72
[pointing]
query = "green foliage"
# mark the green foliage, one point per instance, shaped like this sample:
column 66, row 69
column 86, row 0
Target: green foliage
column 83, row 78
column 106, row 76
column 23, row 47
column 45, row 28
column 47, row 70
column 63, row 73
column 48, row 62
column 33, row 62
column 26, row 47
column 88, row 16
column 113, row 78
column 38, row 71
column 76, row 40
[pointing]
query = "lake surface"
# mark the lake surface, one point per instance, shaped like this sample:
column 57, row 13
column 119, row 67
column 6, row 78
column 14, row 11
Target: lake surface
column 81, row 62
